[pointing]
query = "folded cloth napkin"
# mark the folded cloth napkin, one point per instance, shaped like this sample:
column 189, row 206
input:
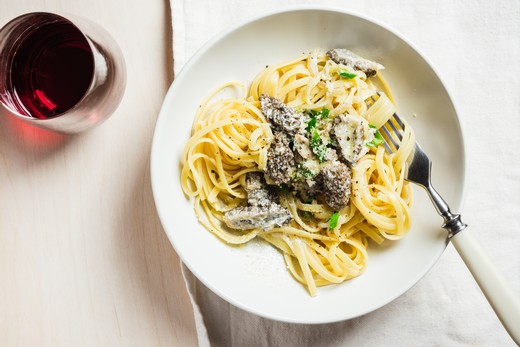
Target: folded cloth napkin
column 475, row 46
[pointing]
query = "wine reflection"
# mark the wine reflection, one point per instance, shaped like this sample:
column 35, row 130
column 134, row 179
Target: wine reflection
column 27, row 138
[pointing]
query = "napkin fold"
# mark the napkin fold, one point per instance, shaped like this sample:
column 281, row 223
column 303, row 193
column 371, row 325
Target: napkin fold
column 475, row 46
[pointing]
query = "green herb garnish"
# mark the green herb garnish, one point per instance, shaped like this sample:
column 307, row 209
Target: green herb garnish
column 315, row 140
column 377, row 140
column 311, row 124
column 346, row 74
column 313, row 113
column 325, row 113
column 333, row 220
column 306, row 172
column 306, row 215
column 317, row 145
column 315, row 116
column 303, row 172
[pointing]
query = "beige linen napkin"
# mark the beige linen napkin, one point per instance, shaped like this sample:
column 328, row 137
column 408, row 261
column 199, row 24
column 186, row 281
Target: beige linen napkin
column 476, row 47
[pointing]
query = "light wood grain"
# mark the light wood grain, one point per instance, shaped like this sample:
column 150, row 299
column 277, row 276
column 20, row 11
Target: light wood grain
column 83, row 257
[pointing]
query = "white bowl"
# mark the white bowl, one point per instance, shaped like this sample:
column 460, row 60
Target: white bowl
column 253, row 277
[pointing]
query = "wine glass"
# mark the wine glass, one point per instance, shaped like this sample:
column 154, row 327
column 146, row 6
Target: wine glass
column 60, row 72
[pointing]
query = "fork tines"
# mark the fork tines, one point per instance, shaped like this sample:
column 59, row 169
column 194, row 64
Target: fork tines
column 392, row 133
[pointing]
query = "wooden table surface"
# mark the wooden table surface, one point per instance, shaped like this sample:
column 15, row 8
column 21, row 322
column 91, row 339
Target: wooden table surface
column 83, row 257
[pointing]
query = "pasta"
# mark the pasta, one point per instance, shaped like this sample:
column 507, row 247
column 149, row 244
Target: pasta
column 231, row 138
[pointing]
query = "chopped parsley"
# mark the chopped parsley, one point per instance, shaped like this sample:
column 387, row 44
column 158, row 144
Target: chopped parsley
column 333, row 220
column 325, row 113
column 313, row 113
column 303, row 172
column 346, row 74
column 315, row 116
column 311, row 124
column 317, row 145
column 306, row 215
column 377, row 140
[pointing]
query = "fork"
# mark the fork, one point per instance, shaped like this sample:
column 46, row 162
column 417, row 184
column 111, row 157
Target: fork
column 500, row 295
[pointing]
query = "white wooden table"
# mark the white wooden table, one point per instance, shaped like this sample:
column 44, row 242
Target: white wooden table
column 83, row 257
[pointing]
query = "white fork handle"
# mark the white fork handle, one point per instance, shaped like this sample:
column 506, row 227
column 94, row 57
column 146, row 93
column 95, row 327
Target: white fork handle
column 505, row 302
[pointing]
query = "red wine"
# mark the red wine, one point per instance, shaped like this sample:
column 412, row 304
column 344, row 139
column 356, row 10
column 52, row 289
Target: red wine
column 51, row 69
